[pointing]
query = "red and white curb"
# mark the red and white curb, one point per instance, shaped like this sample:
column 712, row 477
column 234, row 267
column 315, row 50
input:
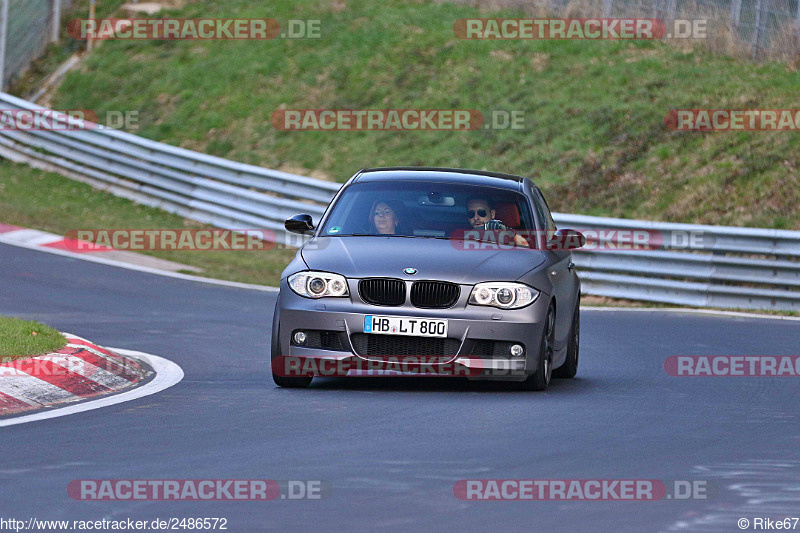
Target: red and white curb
column 34, row 237
column 79, row 371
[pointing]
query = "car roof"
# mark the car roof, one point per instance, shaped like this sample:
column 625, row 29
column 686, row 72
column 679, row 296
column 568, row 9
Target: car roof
column 453, row 175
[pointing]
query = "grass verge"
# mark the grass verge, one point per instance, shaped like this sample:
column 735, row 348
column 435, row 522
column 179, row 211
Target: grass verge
column 23, row 338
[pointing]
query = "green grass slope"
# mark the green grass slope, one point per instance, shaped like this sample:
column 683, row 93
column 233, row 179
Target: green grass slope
column 595, row 140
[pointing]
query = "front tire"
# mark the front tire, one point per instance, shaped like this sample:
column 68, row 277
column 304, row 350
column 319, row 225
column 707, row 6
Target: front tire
column 539, row 380
column 292, row 383
column 570, row 367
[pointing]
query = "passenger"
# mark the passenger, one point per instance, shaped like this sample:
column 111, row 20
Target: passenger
column 481, row 213
column 384, row 218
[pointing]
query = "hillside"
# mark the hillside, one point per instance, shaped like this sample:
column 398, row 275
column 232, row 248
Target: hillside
column 595, row 138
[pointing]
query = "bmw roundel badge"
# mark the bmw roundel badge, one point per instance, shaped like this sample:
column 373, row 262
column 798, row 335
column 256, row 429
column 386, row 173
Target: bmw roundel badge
column 410, row 271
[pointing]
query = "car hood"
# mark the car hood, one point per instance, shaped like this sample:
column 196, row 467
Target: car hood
column 360, row 257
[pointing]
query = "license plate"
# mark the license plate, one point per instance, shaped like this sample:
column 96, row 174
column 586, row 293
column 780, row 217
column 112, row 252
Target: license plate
column 396, row 325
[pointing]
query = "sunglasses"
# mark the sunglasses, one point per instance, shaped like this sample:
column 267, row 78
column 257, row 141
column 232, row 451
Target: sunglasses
column 481, row 213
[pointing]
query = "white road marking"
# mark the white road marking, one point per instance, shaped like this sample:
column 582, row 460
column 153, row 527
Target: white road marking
column 32, row 237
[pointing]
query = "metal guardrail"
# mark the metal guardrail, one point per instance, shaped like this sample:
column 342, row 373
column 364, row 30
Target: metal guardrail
column 193, row 185
column 725, row 267
column 707, row 266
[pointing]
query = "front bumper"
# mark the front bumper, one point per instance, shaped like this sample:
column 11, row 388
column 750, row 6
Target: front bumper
column 467, row 324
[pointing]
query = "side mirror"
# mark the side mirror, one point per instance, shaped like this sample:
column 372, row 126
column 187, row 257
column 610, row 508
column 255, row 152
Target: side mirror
column 302, row 224
column 566, row 239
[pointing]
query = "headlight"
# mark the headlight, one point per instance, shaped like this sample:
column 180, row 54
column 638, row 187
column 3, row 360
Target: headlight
column 503, row 295
column 318, row 284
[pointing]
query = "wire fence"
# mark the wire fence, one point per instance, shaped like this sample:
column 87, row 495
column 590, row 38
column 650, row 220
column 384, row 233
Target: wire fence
column 26, row 28
column 762, row 26
column 756, row 28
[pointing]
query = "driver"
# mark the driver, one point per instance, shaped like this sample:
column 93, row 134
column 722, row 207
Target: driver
column 481, row 213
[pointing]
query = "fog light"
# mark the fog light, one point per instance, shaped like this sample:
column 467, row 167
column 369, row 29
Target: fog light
column 516, row 350
column 299, row 338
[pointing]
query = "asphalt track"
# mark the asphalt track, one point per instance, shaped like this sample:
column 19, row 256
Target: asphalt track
column 391, row 449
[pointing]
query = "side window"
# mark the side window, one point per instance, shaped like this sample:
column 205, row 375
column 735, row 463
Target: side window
column 526, row 218
column 537, row 205
column 550, row 224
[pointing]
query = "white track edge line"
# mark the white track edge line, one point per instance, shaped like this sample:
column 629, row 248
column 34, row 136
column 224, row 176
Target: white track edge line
column 167, row 375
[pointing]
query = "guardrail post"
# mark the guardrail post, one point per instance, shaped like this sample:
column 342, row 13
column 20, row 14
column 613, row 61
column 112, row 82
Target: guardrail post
column 736, row 12
column 90, row 41
column 56, row 26
column 672, row 8
column 757, row 29
column 3, row 34
column 608, row 6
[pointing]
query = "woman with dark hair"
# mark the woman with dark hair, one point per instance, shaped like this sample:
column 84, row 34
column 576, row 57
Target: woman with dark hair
column 384, row 217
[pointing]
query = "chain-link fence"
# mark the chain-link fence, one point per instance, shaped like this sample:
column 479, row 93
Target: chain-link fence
column 26, row 28
column 757, row 28
column 760, row 25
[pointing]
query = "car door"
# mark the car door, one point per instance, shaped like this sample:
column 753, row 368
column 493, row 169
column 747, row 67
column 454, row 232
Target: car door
column 561, row 273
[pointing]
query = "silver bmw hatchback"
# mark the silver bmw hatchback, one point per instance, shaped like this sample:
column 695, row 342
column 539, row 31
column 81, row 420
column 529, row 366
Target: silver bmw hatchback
column 430, row 272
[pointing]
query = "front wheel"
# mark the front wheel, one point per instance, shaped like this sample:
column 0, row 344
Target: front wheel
column 570, row 367
column 292, row 383
column 539, row 380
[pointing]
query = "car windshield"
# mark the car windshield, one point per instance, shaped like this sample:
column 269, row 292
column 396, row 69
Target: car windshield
column 423, row 209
